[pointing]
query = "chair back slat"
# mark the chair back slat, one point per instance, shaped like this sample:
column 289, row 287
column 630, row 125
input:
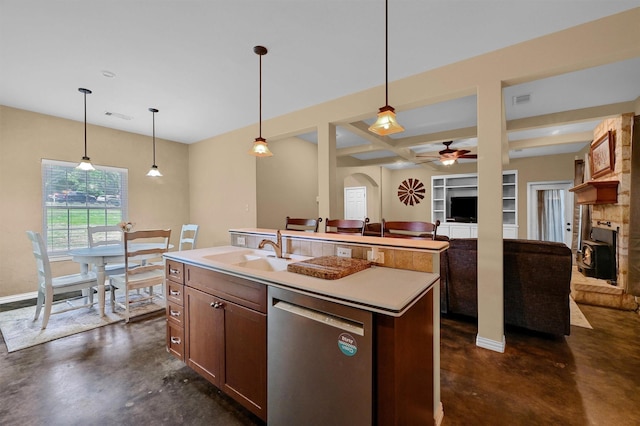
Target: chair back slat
column 105, row 235
column 345, row 226
column 188, row 236
column 301, row 224
column 42, row 258
column 410, row 229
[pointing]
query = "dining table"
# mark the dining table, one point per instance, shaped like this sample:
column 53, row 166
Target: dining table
column 100, row 256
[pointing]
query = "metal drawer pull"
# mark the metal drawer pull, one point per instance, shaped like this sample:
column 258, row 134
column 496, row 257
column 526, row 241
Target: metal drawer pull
column 176, row 340
column 174, row 293
column 174, row 313
column 174, row 271
column 217, row 305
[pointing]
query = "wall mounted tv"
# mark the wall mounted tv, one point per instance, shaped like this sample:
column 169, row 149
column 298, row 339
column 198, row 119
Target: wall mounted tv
column 464, row 209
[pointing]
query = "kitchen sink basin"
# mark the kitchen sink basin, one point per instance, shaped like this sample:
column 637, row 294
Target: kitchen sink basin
column 266, row 264
column 235, row 257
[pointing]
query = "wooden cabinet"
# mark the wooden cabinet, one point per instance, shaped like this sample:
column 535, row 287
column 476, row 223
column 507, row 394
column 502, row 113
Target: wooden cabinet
column 174, row 292
column 225, row 334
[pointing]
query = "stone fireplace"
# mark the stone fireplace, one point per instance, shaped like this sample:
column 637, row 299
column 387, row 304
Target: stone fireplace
column 603, row 255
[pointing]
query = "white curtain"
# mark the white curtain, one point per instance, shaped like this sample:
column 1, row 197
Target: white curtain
column 551, row 207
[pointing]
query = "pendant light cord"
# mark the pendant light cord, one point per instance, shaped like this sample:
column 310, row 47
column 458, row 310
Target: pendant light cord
column 154, row 136
column 260, row 101
column 386, row 52
column 85, row 124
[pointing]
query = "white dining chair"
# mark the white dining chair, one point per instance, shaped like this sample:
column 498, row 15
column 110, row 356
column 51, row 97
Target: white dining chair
column 188, row 236
column 140, row 247
column 49, row 286
column 107, row 235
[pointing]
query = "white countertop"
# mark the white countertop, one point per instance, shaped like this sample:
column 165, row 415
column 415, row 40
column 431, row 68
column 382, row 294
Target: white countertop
column 378, row 289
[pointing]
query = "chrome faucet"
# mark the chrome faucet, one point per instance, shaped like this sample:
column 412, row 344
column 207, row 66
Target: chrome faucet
column 277, row 246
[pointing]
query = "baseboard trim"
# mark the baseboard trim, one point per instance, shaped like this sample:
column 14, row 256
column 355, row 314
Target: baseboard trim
column 492, row 345
column 18, row 297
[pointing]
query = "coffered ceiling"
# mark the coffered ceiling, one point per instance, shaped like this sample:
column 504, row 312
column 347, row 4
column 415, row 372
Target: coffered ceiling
column 194, row 61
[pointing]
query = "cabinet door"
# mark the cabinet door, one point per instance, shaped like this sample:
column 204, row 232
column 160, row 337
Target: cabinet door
column 244, row 375
column 204, row 334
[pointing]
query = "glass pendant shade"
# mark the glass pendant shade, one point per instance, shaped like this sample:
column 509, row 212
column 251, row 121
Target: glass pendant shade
column 386, row 124
column 260, row 148
column 154, row 172
column 448, row 161
column 85, row 163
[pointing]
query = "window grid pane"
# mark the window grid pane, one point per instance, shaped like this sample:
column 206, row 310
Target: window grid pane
column 73, row 200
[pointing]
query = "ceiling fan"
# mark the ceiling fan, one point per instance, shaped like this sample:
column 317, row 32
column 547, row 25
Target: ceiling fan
column 449, row 156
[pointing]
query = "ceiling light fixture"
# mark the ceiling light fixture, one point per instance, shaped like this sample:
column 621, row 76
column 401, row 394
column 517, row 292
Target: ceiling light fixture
column 448, row 162
column 85, row 163
column 260, row 148
column 386, row 124
column 153, row 171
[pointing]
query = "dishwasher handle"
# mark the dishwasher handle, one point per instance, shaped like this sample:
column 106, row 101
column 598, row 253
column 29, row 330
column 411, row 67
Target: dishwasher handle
column 321, row 317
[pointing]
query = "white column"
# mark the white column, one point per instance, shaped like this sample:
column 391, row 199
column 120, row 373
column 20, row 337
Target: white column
column 327, row 171
column 492, row 145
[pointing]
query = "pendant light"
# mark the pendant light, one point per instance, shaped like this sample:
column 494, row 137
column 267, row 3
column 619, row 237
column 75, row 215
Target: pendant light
column 153, row 171
column 386, row 124
column 85, row 163
column 260, row 148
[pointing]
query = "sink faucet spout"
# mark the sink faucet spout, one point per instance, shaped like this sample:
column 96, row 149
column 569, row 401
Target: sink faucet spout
column 277, row 246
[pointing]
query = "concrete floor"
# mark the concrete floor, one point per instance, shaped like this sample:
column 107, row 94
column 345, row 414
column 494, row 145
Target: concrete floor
column 122, row 375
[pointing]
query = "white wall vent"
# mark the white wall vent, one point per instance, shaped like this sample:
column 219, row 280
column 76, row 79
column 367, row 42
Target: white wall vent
column 522, row 99
column 118, row 115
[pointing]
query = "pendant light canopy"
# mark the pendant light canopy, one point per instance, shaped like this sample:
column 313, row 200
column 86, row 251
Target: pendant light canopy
column 386, row 124
column 85, row 163
column 260, row 148
column 153, row 171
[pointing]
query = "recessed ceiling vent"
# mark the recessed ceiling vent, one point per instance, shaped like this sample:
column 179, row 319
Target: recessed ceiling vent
column 522, row 99
column 118, row 115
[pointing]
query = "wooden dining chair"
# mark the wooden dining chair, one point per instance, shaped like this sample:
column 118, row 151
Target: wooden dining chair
column 48, row 286
column 299, row 224
column 410, row 229
column 345, row 226
column 188, row 237
column 140, row 248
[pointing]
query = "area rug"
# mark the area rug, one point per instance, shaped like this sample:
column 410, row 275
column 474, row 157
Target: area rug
column 577, row 317
column 21, row 331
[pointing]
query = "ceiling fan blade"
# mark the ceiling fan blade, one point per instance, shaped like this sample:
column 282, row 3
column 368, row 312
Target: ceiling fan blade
column 468, row 156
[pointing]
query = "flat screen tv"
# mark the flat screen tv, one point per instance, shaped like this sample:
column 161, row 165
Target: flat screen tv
column 464, row 209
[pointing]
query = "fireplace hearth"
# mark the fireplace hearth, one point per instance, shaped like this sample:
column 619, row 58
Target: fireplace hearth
column 596, row 257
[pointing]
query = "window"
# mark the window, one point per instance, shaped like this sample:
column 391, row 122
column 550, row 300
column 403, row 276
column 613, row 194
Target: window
column 73, row 200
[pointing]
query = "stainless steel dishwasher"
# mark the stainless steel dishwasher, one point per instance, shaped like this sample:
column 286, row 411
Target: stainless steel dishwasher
column 319, row 362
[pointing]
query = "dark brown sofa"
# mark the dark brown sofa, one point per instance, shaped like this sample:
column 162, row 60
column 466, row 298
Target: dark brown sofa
column 537, row 282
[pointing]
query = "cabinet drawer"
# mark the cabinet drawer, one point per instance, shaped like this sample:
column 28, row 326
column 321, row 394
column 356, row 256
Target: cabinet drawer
column 175, row 314
column 175, row 340
column 175, row 271
column 175, row 293
column 244, row 292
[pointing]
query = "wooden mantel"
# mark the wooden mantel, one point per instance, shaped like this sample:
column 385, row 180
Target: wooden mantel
column 597, row 192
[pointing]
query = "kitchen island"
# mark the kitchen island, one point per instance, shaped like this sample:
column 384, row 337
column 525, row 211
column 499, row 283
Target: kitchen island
column 220, row 304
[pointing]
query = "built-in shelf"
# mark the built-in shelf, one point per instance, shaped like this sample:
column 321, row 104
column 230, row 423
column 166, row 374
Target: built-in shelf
column 597, row 192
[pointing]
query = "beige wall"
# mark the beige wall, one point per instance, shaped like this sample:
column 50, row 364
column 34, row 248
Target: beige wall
column 287, row 183
column 26, row 138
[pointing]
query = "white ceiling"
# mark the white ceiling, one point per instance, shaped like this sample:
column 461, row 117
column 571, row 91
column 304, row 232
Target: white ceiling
column 194, row 60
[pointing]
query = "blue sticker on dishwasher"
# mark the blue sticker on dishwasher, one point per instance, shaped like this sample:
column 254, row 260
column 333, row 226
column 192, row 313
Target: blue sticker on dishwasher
column 347, row 344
